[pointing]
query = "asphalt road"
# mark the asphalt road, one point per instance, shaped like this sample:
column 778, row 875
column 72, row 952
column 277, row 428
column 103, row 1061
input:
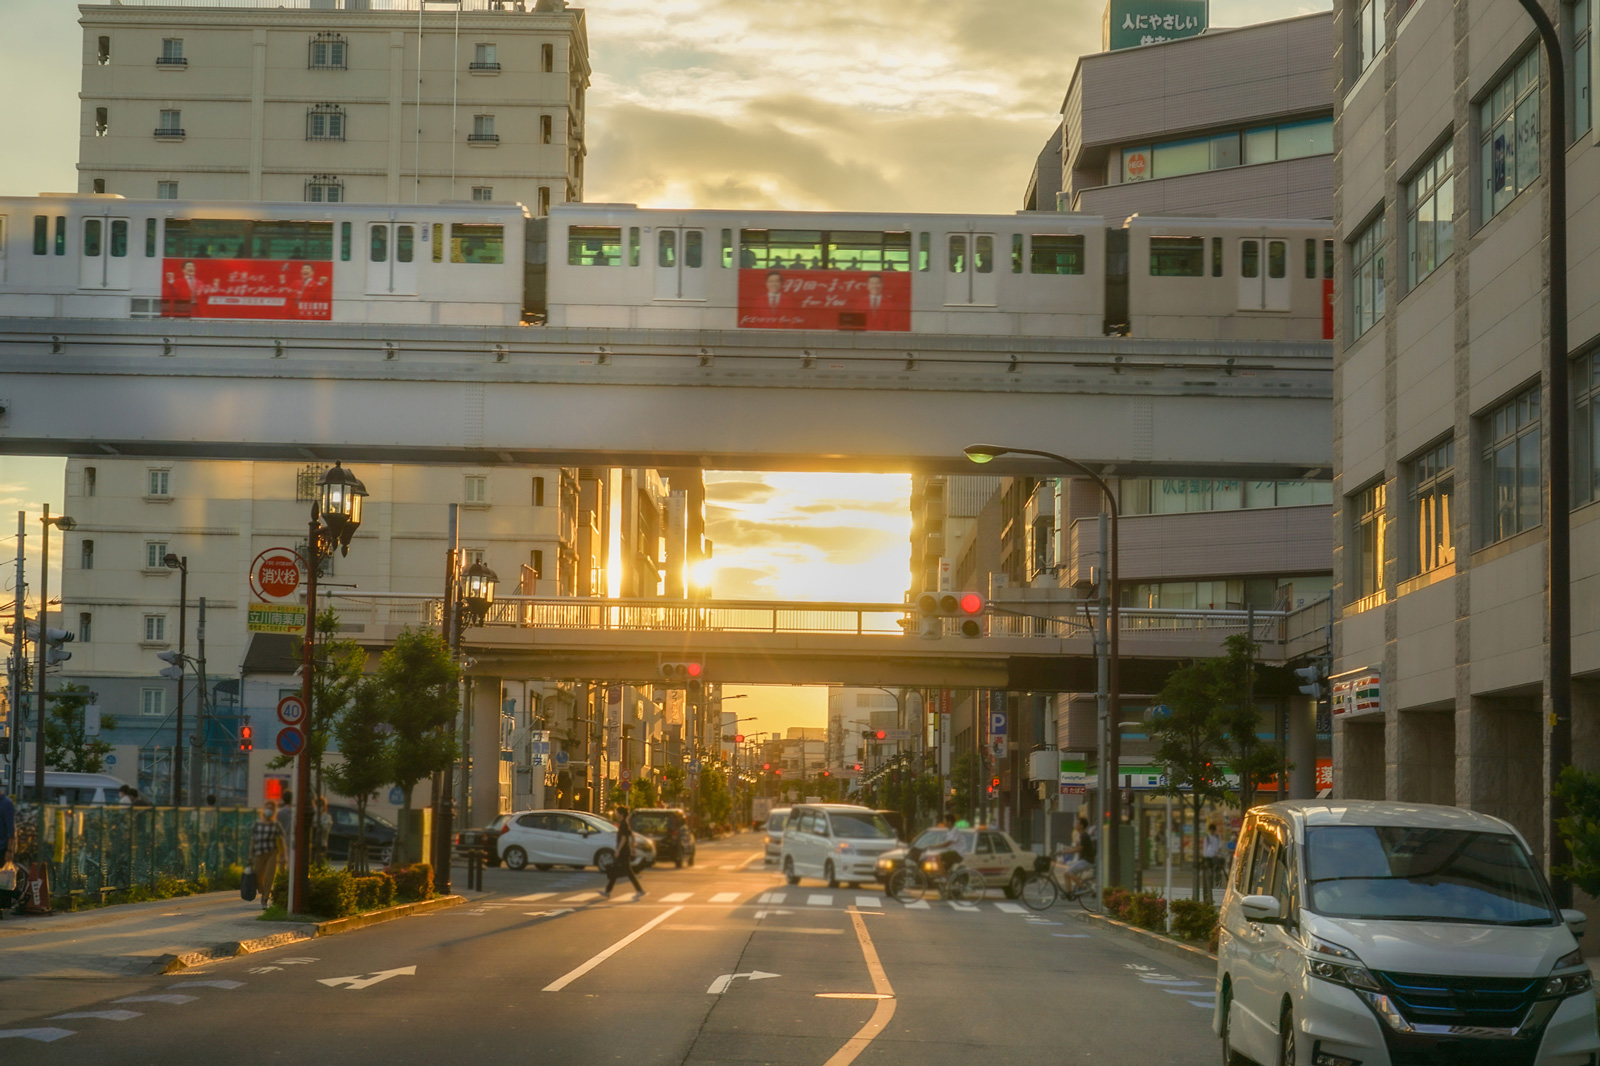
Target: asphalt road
column 537, row 969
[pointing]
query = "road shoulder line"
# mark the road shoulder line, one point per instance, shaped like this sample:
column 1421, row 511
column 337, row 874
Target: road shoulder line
column 572, row 975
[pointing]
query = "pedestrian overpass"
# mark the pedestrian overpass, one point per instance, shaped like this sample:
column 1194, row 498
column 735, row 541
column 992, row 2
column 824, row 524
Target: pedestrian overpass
column 744, row 399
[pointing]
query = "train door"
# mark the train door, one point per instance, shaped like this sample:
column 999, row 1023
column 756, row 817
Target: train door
column 392, row 258
column 969, row 269
column 104, row 260
column 1263, row 274
column 680, row 264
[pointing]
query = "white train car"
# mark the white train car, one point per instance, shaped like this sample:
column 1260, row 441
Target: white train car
column 103, row 256
column 1229, row 279
column 623, row 267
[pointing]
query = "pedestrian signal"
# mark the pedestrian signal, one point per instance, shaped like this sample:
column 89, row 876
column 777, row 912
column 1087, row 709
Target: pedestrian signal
column 246, row 738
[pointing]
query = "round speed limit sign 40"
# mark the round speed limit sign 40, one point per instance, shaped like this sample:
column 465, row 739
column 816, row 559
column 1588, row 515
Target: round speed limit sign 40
column 291, row 710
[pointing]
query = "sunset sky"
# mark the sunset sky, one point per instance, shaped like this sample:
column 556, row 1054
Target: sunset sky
column 923, row 105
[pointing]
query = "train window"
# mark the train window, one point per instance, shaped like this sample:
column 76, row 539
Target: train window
column 667, row 247
column 958, row 253
column 727, row 249
column 1250, row 259
column 150, row 238
column 380, row 244
column 119, row 238
column 1277, row 259
column 1311, row 257
column 1057, row 253
column 477, row 244
column 633, row 246
column 61, row 234
column 924, row 253
column 41, row 234
column 983, row 253
column 246, row 238
column 1327, row 259
column 598, row 246
column 1016, row 253
column 782, row 249
column 1177, row 257
column 437, row 240
column 404, row 243
column 91, row 236
column 344, row 242
column 692, row 252
column 869, row 250
column 1216, row 257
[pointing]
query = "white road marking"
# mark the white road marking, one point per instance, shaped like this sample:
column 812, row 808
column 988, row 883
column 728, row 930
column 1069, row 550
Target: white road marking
column 107, row 1015
column 735, row 867
column 581, row 897
column 358, row 981
column 548, row 914
column 155, row 999
column 762, row 914
column 869, row 902
column 1169, row 981
column 534, row 898
column 572, row 975
column 918, row 905
column 676, row 897
column 725, row 897
column 1070, row 936
column 208, row 984
column 44, row 1036
column 1206, row 1004
column 302, row 961
column 957, row 905
column 1011, row 908
column 1180, row 991
column 264, row 969
column 720, row 985
column 771, row 897
column 819, row 900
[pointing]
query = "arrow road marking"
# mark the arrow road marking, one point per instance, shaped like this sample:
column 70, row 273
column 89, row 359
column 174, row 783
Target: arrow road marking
column 44, row 1036
column 359, row 982
column 301, row 961
column 107, row 1015
column 549, row 914
column 264, row 969
column 720, row 985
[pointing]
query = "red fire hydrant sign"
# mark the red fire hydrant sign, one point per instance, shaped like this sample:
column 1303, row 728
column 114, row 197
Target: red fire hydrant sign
column 275, row 580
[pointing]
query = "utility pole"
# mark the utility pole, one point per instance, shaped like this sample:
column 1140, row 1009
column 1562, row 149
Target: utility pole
column 19, row 661
column 197, row 775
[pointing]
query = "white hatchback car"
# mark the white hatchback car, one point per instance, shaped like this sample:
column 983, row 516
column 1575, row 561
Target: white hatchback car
column 837, row 842
column 774, row 833
column 1381, row 934
column 564, row 838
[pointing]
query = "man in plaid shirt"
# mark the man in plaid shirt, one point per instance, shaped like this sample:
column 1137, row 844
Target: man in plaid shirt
column 266, row 846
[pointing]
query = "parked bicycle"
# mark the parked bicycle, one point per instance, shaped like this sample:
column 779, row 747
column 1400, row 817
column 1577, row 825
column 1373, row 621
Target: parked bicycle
column 1045, row 884
column 917, row 876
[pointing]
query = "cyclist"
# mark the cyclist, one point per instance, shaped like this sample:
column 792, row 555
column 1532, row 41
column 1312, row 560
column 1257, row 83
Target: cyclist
column 1079, row 856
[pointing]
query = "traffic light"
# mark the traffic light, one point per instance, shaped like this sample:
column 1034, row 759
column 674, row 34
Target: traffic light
column 175, row 670
column 827, row 773
column 766, row 766
column 934, row 607
column 858, row 768
column 246, row 737
column 738, row 738
column 882, row 734
column 53, row 639
column 682, row 671
column 994, row 785
column 1315, row 677
column 866, row 734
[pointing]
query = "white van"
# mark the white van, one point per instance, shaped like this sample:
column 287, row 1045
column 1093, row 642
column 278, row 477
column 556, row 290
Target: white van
column 1360, row 933
column 838, row 842
column 63, row 788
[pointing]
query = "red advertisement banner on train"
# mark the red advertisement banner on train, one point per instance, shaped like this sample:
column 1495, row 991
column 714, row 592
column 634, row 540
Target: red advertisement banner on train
column 825, row 299
column 295, row 290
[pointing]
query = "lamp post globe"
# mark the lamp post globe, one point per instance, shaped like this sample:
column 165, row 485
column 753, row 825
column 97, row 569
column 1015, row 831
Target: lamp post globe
column 477, row 591
column 339, row 504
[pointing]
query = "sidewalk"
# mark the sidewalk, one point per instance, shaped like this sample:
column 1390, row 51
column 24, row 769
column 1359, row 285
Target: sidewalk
column 136, row 938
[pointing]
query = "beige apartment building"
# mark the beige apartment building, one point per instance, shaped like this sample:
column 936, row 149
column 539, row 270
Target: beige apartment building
column 1442, row 123
column 370, row 100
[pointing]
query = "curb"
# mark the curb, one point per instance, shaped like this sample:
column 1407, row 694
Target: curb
column 308, row 931
column 1147, row 938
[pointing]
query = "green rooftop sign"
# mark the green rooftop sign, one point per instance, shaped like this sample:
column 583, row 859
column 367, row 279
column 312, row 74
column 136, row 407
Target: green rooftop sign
column 1131, row 23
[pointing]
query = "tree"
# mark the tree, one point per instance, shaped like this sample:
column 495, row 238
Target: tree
column 363, row 738
column 1579, row 791
column 715, row 801
column 340, row 666
column 67, row 744
column 643, row 793
column 1188, row 737
column 674, row 789
column 963, row 775
column 417, row 686
column 1233, row 690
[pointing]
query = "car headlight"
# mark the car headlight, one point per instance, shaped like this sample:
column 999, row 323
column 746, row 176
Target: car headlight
column 931, row 865
column 1568, row 984
column 844, row 848
column 1340, row 965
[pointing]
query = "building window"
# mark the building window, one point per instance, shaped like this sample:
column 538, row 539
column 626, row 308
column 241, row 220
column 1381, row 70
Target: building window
column 324, row 189
column 536, row 562
column 152, row 702
column 471, row 555
column 546, row 129
column 1367, row 262
column 171, row 124
column 1430, row 214
column 483, row 130
column 1221, row 151
column 325, row 122
column 98, row 185
column 1187, row 495
column 86, row 555
column 483, row 58
column 166, row 190
column 1509, row 119
column 547, row 58
column 544, row 201
column 159, row 483
column 1371, row 33
column 477, row 489
column 1369, row 529
column 155, row 628
column 1511, row 467
column 85, row 627
column 89, row 479
column 327, row 51
column 1429, row 504
column 1582, row 73
column 103, row 51
column 1586, row 428
column 155, row 555
column 102, row 121
column 483, row 193
column 172, row 53
column 538, row 492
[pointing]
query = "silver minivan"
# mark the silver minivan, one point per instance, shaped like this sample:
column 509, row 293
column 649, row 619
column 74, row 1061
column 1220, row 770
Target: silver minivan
column 837, row 842
column 1364, row 933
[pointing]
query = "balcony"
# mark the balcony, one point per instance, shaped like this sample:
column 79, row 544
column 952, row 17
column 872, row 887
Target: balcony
column 478, row 67
column 171, row 61
column 483, row 138
column 170, row 133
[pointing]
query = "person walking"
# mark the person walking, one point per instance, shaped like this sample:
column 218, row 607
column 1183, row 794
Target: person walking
column 266, row 849
column 1211, row 859
column 622, row 862
column 8, row 850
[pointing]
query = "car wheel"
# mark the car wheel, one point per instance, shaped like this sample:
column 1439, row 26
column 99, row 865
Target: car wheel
column 788, row 871
column 541, row 866
column 678, row 863
column 602, row 859
column 1013, row 887
column 1230, row 1057
column 1286, row 1056
column 516, row 858
column 828, row 874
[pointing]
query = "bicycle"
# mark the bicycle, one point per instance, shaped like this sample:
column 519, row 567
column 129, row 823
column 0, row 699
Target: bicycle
column 1040, row 889
column 911, row 883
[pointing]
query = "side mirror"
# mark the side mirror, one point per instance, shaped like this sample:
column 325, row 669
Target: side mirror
column 1261, row 909
column 1577, row 921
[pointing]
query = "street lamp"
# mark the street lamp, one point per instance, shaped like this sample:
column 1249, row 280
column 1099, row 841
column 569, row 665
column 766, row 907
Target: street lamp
column 180, row 564
column 335, row 517
column 1110, row 763
column 63, row 523
column 472, row 590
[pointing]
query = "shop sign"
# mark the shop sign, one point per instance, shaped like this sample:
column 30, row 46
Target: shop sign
column 276, row 618
column 1131, row 23
column 1357, row 693
column 1074, row 773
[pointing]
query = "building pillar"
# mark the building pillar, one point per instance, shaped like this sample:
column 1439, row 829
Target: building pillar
column 1426, row 757
column 1505, row 762
column 1358, row 748
column 491, row 775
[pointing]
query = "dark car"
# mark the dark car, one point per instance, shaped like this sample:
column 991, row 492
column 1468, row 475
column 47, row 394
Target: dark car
column 486, row 839
column 380, row 834
column 668, row 829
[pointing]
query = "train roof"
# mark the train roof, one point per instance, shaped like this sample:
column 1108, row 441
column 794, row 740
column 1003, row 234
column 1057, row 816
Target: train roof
column 870, row 219
column 269, row 208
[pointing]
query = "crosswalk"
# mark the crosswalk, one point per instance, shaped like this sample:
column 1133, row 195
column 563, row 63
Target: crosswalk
column 722, row 896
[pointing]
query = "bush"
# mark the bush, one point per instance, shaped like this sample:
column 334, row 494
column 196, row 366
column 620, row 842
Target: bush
column 386, row 888
column 1194, row 919
column 1116, row 902
column 412, row 883
column 1148, row 911
column 280, row 890
column 227, row 878
column 374, row 891
column 330, row 893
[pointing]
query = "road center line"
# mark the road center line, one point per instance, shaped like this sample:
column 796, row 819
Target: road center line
column 880, row 984
column 572, row 975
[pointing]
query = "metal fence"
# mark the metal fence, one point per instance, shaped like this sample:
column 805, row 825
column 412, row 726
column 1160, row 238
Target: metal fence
column 93, row 850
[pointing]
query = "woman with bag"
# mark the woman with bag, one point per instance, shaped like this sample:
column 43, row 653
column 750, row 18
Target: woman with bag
column 622, row 861
column 266, row 846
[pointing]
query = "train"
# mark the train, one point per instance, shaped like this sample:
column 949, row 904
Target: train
column 619, row 266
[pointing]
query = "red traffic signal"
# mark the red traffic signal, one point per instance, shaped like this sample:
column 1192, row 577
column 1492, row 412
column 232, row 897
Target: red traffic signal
column 971, row 603
column 882, row 734
column 778, row 772
column 682, row 671
column 738, row 738
column 246, row 738
column 858, row 767
column 825, row 773
column 766, row 766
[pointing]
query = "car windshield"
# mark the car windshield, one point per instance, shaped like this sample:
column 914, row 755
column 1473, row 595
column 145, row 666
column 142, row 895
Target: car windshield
column 378, row 819
column 775, row 823
column 657, row 822
column 860, row 826
column 1397, row 873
